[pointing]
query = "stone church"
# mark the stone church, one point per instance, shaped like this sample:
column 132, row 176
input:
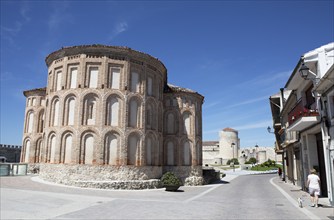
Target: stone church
column 108, row 115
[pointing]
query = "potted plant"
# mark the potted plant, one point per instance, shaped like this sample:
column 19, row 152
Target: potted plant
column 170, row 181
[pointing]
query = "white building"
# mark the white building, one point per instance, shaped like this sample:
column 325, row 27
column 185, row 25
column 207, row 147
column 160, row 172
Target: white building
column 303, row 119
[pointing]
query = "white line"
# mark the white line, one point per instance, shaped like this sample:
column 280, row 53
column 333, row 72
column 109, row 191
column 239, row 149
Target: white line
column 305, row 211
column 201, row 194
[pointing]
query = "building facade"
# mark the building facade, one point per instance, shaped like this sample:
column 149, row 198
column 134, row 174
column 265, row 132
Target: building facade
column 110, row 108
column 302, row 120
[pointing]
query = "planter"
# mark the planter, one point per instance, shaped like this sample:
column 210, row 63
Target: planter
column 172, row 188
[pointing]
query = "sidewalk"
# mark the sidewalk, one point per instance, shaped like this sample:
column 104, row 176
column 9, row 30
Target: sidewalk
column 325, row 211
column 292, row 193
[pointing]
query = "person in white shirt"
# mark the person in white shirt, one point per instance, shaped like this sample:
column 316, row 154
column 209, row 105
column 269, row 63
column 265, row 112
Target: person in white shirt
column 313, row 184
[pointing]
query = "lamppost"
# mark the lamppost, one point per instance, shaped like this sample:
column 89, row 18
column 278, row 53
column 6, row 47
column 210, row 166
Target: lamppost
column 269, row 130
column 232, row 146
column 257, row 153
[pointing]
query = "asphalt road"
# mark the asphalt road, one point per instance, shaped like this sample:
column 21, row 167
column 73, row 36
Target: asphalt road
column 244, row 197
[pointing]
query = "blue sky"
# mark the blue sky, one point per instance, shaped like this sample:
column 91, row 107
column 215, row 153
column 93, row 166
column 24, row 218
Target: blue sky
column 235, row 53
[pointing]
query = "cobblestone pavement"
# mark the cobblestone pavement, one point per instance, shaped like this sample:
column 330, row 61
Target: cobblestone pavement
column 237, row 196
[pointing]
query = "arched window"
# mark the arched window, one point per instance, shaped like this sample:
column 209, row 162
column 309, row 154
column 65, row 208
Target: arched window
column 186, row 123
column 54, row 113
column 149, row 116
column 88, row 149
column 40, row 126
column 27, row 151
column 112, row 111
column 69, row 113
column 33, row 101
column 134, row 82
column 53, row 149
column 111, row 149
column 149, row 151
column 89, row 116
column 68, row 149
column 30, row 121
column 134, row 113
column 170, row 123
column 149, row 86
column 133, row 148
column 186, row 154
column 170, row 153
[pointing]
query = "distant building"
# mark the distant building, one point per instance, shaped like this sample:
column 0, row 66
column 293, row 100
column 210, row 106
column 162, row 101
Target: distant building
column 228, row 147
column 219, row 152
column 10, row 153
column 261, row 154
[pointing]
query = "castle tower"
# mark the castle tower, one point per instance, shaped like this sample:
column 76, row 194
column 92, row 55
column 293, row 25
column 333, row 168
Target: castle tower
column 228, row 144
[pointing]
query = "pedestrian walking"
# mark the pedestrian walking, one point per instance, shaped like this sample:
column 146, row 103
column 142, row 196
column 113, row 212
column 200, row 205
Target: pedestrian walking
column 313, row 184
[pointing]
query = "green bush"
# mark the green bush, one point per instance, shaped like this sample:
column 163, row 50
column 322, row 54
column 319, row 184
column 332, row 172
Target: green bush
column 170, row 179
column 234, row 160
column 252, row 160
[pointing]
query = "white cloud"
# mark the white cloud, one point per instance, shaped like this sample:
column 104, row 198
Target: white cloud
column 249, row 101
column 260, row 124
column 24, row 11
column 58, row 16
column 118, row 29
column 210, row 105
column 268, row 79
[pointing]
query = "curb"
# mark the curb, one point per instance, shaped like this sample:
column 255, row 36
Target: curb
column 294, row 203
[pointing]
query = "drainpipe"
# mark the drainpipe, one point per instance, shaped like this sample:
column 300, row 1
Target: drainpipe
column 282, row 103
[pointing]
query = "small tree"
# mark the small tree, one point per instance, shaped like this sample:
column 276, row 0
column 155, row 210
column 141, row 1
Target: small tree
column 252, row 160
column 233, row 160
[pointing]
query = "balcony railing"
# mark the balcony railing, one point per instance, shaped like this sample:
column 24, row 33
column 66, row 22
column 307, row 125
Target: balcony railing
column 301, row 111
column 287, row 137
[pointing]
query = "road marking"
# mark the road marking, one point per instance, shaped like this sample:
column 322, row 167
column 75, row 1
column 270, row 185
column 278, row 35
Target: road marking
column 201, row 194
column 294, row 202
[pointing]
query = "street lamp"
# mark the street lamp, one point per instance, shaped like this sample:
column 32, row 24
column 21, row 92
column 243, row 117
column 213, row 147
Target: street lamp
column 257, row 153
column 232, row 146
column 269, row 130
column 307, row 74
column 305, row 71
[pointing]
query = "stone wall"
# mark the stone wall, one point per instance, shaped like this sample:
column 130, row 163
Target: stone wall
column 10, row 152
column 117, row 177
column 112, row 177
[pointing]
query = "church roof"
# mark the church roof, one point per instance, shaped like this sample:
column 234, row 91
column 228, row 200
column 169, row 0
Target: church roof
column 40, row 91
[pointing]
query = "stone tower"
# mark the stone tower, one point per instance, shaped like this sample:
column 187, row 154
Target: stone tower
column 228, row 144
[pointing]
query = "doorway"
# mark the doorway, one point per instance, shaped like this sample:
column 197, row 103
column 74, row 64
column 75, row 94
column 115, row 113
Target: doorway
column 321, row 169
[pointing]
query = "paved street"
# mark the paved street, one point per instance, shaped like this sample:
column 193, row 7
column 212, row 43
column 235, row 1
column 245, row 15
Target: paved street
column 237, row 197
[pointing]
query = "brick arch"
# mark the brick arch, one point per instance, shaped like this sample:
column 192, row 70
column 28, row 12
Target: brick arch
column 111, row 148
column 134, row 144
